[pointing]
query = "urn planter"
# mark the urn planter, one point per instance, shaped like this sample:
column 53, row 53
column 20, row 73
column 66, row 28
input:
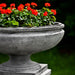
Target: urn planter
column 19, row 43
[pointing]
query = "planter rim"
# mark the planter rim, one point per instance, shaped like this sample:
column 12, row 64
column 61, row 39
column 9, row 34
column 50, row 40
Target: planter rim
column 56, row 26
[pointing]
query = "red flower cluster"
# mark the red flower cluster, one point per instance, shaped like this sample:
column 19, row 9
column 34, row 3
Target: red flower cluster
column 12, row 6
column 33, row 4
column 54, row 11
column 20, row 7
column 4, row 11
column 8, row 11
column 27, row 4
column 34, row 12
column 0, row 8
column 29, row 8
column 47, row 4
column 45, row 13
column 3, row 5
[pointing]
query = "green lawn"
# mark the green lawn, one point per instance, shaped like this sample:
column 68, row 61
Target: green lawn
column 61, row 64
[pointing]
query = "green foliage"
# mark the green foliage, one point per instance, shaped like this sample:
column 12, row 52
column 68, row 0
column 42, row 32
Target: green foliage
column 70, row 24
column 12, row 23
column 3, row 58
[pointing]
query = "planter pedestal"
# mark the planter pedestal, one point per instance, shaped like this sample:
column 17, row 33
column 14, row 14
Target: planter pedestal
column 22, row 65
column 42, row 71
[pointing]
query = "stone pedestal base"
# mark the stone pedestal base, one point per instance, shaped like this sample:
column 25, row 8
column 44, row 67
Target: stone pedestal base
column 43, row 71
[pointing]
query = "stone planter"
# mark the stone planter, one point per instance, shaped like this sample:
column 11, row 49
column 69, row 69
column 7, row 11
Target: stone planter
column 19, row 43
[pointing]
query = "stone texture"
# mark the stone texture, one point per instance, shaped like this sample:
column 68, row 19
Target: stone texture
column 20, row 64
column 23, row 41
column 47, row 72
column 42, row 71
column 19, row 43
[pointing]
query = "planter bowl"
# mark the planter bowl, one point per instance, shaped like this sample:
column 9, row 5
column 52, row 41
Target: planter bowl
column 19, row 43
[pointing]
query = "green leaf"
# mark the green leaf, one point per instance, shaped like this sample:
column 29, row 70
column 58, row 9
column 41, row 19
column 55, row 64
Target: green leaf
column 15, row 23
column 44, row 20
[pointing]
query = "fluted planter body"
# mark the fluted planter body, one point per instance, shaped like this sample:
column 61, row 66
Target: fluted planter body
column 19, row 43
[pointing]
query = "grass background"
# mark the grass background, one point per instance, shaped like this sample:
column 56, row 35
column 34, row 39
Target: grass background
column 61, row 63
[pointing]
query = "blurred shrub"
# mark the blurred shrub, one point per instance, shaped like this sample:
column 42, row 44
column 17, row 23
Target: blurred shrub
column 70, row 24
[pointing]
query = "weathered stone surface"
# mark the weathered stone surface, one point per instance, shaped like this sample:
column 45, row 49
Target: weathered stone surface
column 47, row 72
column 24, row 41
column 42, row 71
column 21, row 42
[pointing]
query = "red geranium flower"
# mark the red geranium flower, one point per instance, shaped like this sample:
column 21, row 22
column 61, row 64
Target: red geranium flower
column 34, row 12
column 27, row 4
column 8, row 11
column 45, row 13
column 29, row 8
column 47, row 4
column 54, row 11
column 33, row 4
column 20, row 7
column 3, row 11
column 12, row 5
column 0, row 8
column 3, row 5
